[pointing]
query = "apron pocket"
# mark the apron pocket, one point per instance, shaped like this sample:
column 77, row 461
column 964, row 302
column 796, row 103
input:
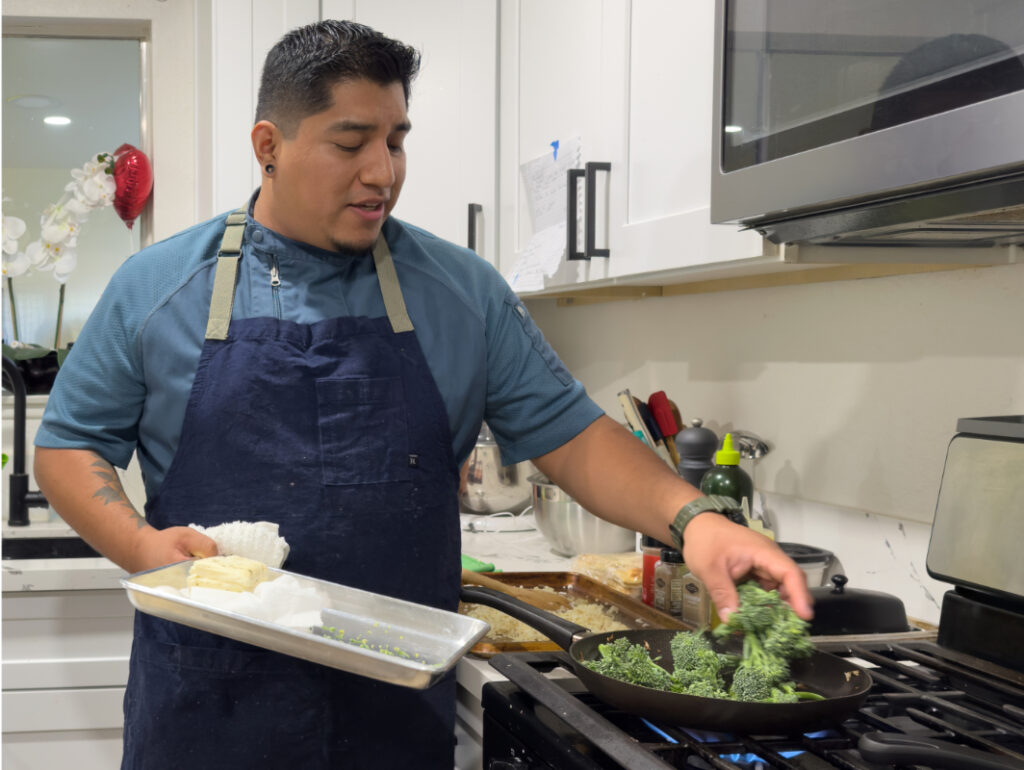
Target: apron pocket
column 364, row 435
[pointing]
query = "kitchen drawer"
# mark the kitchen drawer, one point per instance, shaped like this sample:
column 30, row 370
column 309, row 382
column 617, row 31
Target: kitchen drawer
column 80, row 749
column 65, row 709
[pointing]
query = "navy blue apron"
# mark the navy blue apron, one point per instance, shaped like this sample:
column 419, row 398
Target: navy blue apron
column 335, row 430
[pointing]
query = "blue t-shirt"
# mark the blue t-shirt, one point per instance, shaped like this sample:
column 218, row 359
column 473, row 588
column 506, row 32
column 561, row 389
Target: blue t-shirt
column 126, row 382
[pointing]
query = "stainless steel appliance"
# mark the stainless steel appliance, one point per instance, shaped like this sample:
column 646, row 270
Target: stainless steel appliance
column 879, row 122
column 955, row 701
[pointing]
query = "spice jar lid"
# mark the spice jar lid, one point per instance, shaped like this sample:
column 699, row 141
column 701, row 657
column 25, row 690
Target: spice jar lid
column 671, row 556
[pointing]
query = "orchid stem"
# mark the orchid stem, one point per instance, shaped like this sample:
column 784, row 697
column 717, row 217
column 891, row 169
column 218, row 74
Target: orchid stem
column 60, row 318
column 14, row 310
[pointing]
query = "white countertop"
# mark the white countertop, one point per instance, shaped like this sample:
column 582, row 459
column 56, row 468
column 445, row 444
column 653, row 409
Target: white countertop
column 510, row 543
column 56, row 574
column 60, row 574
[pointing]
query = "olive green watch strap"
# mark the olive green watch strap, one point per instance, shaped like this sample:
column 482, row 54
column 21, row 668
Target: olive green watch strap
column 716, row 503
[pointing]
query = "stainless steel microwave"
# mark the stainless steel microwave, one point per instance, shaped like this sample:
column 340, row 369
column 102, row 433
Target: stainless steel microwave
column 870, row 122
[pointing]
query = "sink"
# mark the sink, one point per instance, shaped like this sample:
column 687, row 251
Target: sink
column 47, row 548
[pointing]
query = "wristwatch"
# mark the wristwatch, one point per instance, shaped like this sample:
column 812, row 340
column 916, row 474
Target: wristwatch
column 717, row 503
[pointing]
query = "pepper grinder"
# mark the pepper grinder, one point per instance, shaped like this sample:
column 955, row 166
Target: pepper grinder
column 696, row 446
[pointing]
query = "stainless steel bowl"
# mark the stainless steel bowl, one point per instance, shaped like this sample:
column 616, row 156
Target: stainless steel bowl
column 487, row 486
column 570, row 528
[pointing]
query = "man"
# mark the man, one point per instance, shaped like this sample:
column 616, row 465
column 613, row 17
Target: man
column 312, row 361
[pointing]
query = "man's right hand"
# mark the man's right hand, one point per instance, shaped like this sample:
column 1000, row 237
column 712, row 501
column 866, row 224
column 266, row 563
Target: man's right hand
column 156, row 547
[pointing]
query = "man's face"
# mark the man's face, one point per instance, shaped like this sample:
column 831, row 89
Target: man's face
column 338, row 178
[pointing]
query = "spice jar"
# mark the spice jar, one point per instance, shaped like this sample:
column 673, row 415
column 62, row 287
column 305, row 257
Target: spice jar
column 698, row 610
column 651, row 550
column 668, row 582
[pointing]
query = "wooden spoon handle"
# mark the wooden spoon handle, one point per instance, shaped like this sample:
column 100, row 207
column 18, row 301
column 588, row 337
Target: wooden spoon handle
column 468, row 576
column 542, row 599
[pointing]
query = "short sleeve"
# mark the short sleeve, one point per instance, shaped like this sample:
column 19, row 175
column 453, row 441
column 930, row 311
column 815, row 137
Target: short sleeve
column 97, row 399
column 534, row 405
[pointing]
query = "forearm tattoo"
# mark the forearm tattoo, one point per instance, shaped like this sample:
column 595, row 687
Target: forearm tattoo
column 112, row 493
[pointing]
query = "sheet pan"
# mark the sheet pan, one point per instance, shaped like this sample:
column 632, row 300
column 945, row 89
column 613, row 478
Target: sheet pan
column 434, row 639
column 633, row 614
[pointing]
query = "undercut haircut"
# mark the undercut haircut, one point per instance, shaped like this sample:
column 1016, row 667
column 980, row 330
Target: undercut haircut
column 304, row 66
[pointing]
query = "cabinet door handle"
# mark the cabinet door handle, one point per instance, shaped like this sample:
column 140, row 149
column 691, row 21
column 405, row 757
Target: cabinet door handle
column 572, row 223
column 590, row 244
column 474, row 210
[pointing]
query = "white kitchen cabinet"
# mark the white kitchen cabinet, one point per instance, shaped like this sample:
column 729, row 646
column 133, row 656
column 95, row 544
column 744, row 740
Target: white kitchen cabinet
column 453, row 146
column 65, row 666
column 554, row 71
column 451, row 153
column 661, row 189
column 632, row 79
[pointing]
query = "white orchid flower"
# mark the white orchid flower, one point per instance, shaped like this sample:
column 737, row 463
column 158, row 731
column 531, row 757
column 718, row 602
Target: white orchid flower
column 77, row 209
column 98, row 190
column 15, row 264
column 60, row 231
column 13, row 229
column 65, row 265
column 37, row 255
column 94, row 166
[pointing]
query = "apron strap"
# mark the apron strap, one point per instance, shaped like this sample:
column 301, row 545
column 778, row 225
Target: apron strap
column 227, row 272
column 394, row 304
column 225, row 276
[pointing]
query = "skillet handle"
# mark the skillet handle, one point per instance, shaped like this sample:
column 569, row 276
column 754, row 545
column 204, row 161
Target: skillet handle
column 562, row 632
column 893, row 748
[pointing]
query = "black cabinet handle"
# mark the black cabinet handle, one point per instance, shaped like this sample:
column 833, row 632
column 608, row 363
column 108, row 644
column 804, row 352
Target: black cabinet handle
column 572, row 223
column 474, row 210
column 590, row 247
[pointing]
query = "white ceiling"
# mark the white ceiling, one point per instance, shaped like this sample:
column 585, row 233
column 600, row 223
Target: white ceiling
column 93, row 82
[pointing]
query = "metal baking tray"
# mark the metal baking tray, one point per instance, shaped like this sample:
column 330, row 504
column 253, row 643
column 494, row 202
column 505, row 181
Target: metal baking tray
column 630, row 612
column 434, row 639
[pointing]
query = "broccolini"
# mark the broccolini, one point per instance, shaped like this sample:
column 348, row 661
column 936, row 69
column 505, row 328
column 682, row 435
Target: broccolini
column 773, row 635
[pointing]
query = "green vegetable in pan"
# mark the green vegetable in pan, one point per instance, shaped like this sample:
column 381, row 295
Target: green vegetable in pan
column 629, row 662
column 773, row 635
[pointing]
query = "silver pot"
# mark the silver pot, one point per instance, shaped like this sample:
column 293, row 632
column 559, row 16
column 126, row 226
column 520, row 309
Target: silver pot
column 570, row 528
column 487, row 486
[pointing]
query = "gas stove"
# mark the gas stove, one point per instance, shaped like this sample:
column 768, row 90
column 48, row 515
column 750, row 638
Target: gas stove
column 953, row 701
column 920, row 691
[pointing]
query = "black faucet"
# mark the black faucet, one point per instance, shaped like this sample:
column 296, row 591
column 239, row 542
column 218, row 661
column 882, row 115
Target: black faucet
column 21, row 497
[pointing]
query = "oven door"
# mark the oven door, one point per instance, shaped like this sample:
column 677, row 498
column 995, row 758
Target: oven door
column 823, row 103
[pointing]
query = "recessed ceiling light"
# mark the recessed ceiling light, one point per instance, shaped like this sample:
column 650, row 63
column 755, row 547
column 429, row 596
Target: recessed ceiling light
column 733, row 129
column 56, row 120
column 32, row 101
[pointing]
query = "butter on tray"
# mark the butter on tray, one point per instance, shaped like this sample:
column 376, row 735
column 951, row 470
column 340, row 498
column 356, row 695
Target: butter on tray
column 227, row 573
column 622, row 572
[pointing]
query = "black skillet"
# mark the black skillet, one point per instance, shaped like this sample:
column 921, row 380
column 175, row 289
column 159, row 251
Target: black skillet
column 843, row 685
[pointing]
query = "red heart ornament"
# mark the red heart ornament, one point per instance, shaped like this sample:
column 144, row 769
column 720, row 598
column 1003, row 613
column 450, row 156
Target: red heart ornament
column 134, row 178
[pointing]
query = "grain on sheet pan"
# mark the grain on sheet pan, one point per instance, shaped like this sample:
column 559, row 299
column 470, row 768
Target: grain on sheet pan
column 504, row 628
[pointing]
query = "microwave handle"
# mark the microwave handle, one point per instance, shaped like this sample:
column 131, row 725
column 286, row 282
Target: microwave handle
column 572, row 222
column 590, row 247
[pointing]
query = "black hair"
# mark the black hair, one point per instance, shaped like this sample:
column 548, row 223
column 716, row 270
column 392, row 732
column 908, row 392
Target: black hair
column 304, row 65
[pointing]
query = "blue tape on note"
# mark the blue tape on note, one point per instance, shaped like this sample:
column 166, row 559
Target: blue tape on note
column 554, row 144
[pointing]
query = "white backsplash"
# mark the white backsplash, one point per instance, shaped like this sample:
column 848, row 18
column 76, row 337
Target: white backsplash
column 878, row 553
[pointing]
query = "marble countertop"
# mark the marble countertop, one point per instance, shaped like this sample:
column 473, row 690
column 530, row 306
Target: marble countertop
column 511, row 543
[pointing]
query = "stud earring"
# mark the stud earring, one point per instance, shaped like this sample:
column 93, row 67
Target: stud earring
column 269, row 168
